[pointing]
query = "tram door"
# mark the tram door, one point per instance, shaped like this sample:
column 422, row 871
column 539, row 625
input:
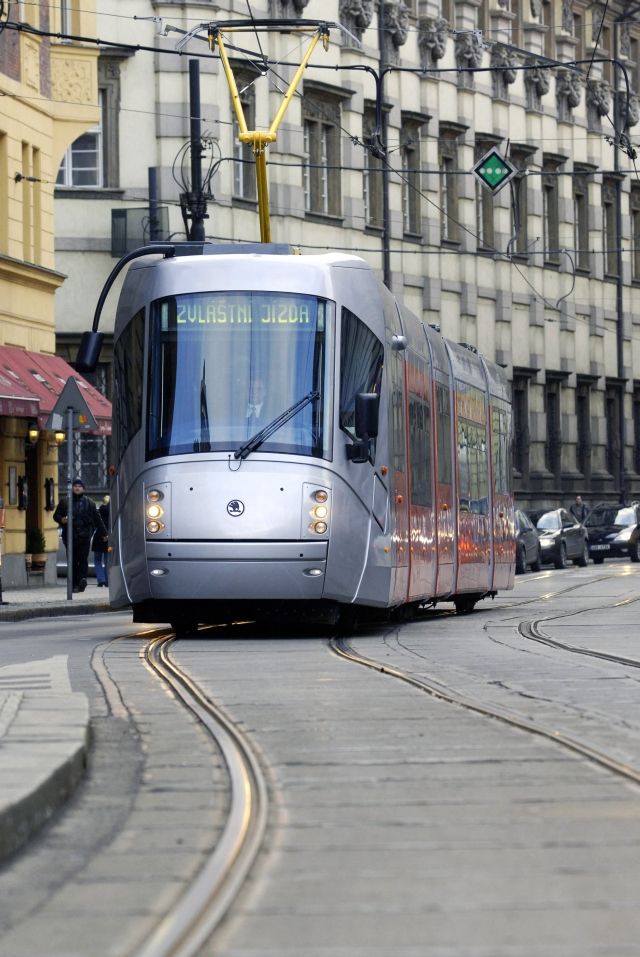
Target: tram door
column 421, row 523
column 399, row 512
column 444, row 497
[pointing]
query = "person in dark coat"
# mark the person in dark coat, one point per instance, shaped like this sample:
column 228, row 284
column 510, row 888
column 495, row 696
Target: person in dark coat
column 100, row 546
column 86, row 521
column 579, row 509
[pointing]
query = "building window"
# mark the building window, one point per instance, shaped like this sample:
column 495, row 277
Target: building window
column 321, row 170
column 581, row 220
column 82, row 164
column 449, row 194
column 411, row 194
column 244, row 175
column 636, row 427
column 550, row 28
column 634, row 202
column 613, row 400
column 520, row 203
column 609, row 227
column 520, row 400
column 372, row 175
column 553, row 440
column 583, row 423
column 485, row 225
column 551, row 212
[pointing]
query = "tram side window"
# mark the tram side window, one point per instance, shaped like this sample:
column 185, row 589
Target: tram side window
column 472, row 467
column 501, row 429
column 420, row 448
column 128, row 357
column 443, row 433
column 361, row 355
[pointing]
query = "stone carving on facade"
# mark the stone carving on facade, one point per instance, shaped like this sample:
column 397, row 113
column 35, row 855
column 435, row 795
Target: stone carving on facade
column 396, row 16
column 536, row 9
column 468, row 51
column 569, row 87
column 31, row 64
column 504, row 4
column 599, row 96
column 356, row 15
column 432, row 40
column 503, row 60
column 630, row 111
column 625, row 41
column 567, row 16
column 537, row 84
column 286, row 9
column 72, row 79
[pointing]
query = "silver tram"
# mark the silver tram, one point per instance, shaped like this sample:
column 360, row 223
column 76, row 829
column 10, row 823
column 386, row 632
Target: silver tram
column 289, row 439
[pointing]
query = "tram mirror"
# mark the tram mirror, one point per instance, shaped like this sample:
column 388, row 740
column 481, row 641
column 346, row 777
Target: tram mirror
column 89, row 351
column 366, row 419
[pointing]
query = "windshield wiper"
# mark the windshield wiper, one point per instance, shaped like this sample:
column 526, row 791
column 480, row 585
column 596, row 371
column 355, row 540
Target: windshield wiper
column 256, row 440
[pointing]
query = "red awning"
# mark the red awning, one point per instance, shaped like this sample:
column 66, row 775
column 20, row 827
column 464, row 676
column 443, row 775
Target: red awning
column 37, row 380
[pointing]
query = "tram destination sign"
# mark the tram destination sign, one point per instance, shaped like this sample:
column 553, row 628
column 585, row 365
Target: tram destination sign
column 494, row 171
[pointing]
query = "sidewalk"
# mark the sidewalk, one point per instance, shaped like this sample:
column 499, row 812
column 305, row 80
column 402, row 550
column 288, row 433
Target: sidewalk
column 18, row 604
column 44, row 724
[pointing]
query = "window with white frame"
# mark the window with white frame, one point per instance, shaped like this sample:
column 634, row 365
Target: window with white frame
column 82, row 164
column 244, row 175
column 321, row 170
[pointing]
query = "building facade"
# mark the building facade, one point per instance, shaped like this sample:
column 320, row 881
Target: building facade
column 376, row 155
column 48, row 92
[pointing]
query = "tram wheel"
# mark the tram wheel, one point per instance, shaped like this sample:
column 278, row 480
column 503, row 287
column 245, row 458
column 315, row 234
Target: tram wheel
column 184, row 629
column 465, row 604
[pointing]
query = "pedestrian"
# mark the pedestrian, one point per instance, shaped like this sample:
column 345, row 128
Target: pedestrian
column 579, row 509
column 86, row 521
column 100, row 546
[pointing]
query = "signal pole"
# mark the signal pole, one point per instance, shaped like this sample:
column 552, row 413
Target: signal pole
column 194, row 206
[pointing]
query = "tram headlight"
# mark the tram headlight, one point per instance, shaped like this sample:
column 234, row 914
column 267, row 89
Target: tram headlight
column 156, row 506
column 316, row 510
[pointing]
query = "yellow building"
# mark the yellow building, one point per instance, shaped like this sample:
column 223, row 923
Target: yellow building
column 48, row 97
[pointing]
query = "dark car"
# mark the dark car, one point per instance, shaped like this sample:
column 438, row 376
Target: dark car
column 528, row 551
column 614, row 530
column 562, row 538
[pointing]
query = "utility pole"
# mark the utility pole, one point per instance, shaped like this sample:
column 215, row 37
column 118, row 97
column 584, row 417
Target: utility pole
column 382, row 132
column 194, row 206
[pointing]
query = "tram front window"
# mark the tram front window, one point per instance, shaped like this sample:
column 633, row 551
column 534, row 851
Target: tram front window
column 223, row 365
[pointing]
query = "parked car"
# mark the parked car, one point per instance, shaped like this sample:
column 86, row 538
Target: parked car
column 614, row 530
column 562, row 538
column 528, row 550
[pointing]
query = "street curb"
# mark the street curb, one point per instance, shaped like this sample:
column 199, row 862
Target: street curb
column 20, row 820
column 20, row 613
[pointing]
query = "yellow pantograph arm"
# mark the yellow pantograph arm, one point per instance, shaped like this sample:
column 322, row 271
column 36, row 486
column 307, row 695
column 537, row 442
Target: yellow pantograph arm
column 233, row 89
column 277, row 120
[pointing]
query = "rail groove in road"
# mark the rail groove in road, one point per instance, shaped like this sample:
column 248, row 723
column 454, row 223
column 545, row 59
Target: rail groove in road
column 341, row 647
column 204, row 904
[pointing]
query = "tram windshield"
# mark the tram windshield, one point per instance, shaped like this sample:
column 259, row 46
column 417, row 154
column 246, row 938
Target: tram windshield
column 223, row 365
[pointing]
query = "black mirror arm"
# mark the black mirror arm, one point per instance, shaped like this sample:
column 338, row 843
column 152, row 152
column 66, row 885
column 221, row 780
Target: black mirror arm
column 91, row 342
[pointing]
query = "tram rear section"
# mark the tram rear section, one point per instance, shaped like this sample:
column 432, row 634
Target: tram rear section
column 287, row 434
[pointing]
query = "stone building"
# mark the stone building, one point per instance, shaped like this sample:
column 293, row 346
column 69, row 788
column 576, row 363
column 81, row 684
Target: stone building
column 376, row 155
column 48, row 92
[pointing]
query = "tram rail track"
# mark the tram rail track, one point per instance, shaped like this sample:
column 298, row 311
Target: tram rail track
column 341, row 646
column 205, row 902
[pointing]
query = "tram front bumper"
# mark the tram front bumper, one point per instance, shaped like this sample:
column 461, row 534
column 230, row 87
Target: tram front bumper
column 236, row 570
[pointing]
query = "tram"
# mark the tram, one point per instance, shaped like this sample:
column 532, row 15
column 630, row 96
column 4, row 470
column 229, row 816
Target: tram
column 290, row 440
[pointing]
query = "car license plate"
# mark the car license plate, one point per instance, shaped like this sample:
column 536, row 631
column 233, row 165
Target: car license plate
column 599, row 548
